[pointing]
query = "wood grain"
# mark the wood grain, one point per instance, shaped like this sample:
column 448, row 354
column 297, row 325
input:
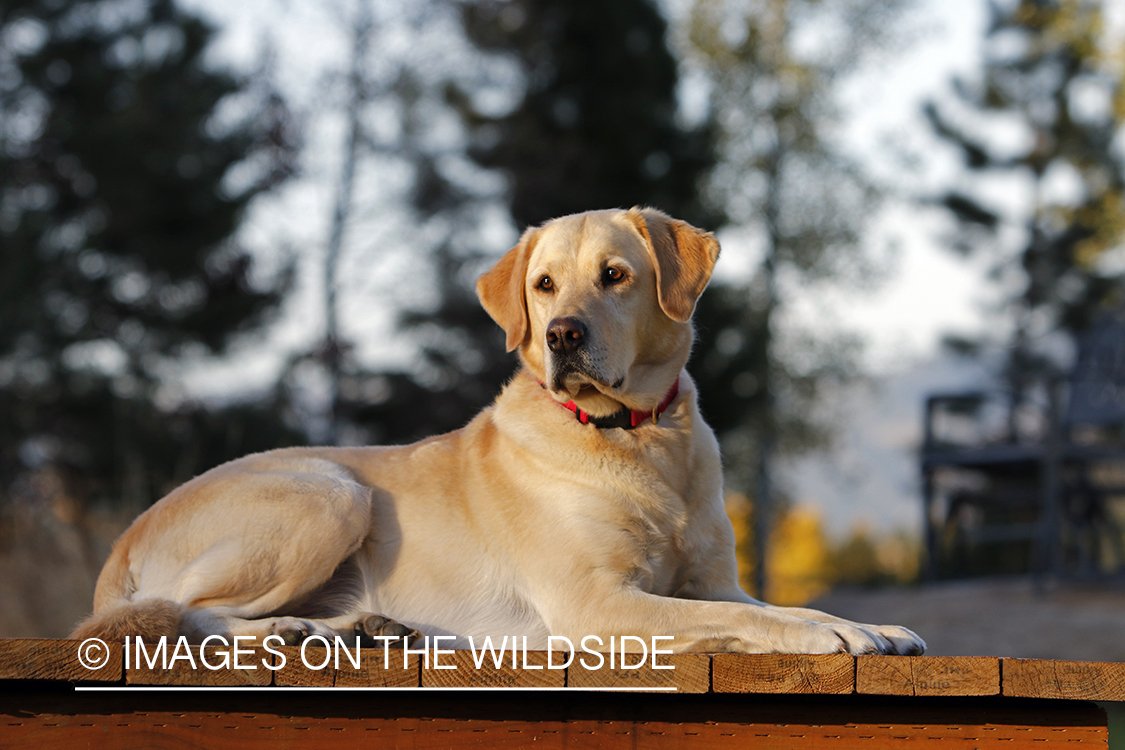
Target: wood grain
column 927, row 675
column 49, row 659
column 467, row 674
column 296, row 670
column 1069, row 680
column 56, row 660
column 832, row 674
column 211, row 665
column 690, row 673
column 381, row 668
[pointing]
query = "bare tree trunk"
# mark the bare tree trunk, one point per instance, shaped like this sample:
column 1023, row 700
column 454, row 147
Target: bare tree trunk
column 763, row 502
column 333, row 345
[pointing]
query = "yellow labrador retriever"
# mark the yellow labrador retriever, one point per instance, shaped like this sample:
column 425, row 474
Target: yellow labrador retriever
column 587, row 500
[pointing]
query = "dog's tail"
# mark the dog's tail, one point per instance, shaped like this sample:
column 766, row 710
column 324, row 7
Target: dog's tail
column 147, row 619
column 116, row 615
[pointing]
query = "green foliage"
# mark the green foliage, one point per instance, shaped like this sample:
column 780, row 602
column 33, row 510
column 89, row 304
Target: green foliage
column 123, row 176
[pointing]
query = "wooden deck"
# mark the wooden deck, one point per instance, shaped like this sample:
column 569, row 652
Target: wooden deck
column 49, row 699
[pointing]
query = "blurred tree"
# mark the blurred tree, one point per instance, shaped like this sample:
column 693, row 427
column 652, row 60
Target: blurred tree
column 1053, row 84
column 125, row 165
column 804, row 563
column 598, row 124
column 870, row 560
column 740, row 511
column 359, row 86
column 439, row 212
column 798, row 564
column 773, row 67
column 594, row 126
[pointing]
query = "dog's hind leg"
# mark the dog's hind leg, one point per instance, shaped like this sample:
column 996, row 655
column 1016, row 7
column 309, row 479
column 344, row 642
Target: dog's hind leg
column 332, row 610
column 253, row 540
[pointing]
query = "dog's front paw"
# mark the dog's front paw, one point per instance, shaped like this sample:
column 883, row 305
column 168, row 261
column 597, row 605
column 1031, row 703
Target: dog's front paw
column 829, row 638
column 859, row 640
column 370, row 627
column 903, row 641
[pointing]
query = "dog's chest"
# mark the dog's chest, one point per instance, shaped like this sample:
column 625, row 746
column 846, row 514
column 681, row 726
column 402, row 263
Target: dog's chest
column 636, row 524
column 658, row 536
column 644, row 497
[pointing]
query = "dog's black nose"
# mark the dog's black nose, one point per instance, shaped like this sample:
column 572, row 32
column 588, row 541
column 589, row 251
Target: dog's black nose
column 564, row 335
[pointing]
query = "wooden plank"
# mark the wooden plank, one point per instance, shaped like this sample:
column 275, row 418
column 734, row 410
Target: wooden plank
column 690, row 673
column 1070, row 680
column 303, row 668
column 236, row 732
column 56, row 660
column 927, row 675
column 317, row 667
column 380, row 668
column 466, row 673
column 211, row 665
column 831, row 674
column 563, row 719
column 62, row 660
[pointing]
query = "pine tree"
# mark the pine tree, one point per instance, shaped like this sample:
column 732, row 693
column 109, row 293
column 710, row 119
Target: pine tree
column 121, row 187
column 1059, row 94
column 595, row 127
column 784, row 183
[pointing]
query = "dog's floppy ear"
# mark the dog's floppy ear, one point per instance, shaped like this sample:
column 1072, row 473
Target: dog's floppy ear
column 683, row 257
column 501, row 290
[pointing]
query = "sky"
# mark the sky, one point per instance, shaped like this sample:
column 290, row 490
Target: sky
column 928, row 291
column 925, row 292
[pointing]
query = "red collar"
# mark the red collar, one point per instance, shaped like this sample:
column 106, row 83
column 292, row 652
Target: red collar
column 626, row 419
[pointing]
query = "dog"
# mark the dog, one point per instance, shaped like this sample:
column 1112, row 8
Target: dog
column 586, row 500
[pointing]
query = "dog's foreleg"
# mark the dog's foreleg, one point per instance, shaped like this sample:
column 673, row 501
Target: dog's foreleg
column 715, row 626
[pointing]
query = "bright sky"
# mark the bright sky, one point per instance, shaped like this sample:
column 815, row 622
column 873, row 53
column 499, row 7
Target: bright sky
column 927, row 290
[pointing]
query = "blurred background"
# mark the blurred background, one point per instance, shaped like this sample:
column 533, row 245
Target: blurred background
column 228, row 227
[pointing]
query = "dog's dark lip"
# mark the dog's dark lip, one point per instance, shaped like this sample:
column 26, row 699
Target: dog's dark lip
column 558, row 385
column 586, row 389
column 574, row 379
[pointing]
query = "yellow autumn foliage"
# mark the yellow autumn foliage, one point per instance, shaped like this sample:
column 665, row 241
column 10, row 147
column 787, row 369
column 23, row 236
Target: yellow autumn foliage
column 798, row 552
column 804, row 563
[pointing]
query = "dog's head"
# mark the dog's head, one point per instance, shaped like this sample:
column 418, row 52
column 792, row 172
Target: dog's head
column 599, row 304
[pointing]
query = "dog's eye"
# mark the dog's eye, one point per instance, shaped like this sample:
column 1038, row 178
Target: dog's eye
column 612, row 276
column 545, row 284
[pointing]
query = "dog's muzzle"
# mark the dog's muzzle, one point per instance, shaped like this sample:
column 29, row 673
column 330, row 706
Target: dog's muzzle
column 567, row 340
column 566, row 335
